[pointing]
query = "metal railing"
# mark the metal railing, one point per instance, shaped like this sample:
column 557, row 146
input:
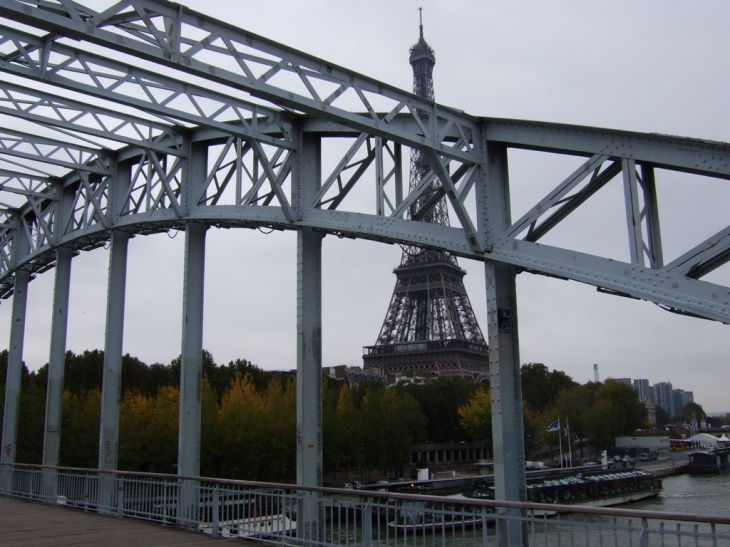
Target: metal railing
column 292, row 515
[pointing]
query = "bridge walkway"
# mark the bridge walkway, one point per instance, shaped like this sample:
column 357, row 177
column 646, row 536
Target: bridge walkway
column 34, row 524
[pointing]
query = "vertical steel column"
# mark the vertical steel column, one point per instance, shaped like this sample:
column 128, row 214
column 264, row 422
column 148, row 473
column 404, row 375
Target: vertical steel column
column 56, row 364
column 12, row 379
column 309, row 357
column 15, row 358
column 306, row 182
column 114, row 334
column 504, row 366
column 113, row 340
column 504, row 355
column 191, row 364
column 191, row 358
column 112, row 378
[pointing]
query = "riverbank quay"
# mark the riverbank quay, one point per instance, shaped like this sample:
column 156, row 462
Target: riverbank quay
column 666, row 471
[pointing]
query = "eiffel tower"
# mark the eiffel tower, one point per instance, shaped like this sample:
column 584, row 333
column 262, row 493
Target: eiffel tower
column 430, row 325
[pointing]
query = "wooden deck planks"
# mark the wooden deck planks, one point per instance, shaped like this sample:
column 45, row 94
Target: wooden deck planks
column 34, row 524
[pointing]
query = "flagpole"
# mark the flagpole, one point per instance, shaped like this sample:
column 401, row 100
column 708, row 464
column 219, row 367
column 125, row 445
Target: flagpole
column 560, row 440
column 570, row 444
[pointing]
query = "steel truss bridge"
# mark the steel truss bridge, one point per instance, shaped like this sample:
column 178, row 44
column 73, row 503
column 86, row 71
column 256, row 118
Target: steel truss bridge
column 149, row 117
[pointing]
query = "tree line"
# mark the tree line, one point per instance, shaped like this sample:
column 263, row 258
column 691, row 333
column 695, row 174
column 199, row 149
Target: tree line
column 248, row 423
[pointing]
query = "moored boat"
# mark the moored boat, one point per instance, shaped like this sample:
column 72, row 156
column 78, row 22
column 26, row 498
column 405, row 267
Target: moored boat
column 709, row 462
column 595, row 489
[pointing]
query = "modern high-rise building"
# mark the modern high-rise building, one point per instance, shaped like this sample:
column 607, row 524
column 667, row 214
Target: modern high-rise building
column 645, row 392
column 680, row 398
column 626, row 381
column 663, row 397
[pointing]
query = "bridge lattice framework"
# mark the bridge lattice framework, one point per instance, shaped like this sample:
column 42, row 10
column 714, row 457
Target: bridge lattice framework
column 149, row 117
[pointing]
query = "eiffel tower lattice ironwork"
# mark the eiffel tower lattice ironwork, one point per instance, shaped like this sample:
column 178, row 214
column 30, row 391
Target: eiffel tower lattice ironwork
column 430, row 324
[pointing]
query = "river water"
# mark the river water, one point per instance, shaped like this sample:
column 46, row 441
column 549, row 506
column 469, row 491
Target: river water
column 702, row 495
column 697, row 494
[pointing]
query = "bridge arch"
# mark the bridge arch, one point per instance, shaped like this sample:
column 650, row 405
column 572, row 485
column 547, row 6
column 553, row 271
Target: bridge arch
column 210, row 158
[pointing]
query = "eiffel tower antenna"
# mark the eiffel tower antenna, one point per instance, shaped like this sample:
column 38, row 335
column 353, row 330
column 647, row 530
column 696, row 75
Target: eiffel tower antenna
column 430, row 324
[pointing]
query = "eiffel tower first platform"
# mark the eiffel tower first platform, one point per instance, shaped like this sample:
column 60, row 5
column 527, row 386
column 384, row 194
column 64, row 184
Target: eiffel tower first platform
column 430, row 324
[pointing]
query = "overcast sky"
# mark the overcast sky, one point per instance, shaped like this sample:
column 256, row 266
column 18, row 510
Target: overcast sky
column 652, row 66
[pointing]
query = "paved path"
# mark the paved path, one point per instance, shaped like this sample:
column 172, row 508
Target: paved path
column 34, row 524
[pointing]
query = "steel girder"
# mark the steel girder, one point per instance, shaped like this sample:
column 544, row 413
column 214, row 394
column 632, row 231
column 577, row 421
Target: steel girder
column 188, row 78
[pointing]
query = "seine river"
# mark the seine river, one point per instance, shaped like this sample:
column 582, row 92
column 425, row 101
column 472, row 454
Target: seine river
column 696, row 494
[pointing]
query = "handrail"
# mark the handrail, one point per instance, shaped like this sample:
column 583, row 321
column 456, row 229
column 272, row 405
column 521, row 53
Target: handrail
column 527, row 506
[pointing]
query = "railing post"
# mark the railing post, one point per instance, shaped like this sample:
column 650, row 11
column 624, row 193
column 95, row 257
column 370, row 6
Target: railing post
column 50, row 485
column 367, row 525
column 120, row 497
column 215, row 515
column 105, row 493
column 644, row 534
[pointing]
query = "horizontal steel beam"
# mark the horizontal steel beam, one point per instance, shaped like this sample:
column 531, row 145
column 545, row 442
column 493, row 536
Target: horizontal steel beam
column 696, row 156
column 122, row 29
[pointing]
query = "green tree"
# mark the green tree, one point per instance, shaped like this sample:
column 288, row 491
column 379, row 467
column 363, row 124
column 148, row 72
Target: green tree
column 332, row 450
column 135, row 412
column 439, row 401
column 210, row 432
column 83, row 372
column 276, row 459
column 80, row 421
column 348, row 435
column 572, row 404
column 31, row 420
column 693, row 411
column 370, row 428
column 475, row 417
column 162, row 432
column 540, row 386
column 662, row 416
column 616, row 411
column 404, row 424
column 242, row 428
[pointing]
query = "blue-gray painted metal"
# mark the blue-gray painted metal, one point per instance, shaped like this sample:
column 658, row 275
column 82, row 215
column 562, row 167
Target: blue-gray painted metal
column 15, row 363
column 258, row 147
column 113, row 350
column 309, row 348
column 504, row 357
column 57, row 357
column 191, row 368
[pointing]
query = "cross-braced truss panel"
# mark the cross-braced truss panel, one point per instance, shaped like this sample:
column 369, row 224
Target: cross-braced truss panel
column 241, row 173
column 156, row 183
column 138, row 88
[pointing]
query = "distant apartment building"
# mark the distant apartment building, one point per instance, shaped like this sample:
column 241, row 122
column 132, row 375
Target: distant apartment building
column 663, row 397
column 680, row 398
column 644, row 389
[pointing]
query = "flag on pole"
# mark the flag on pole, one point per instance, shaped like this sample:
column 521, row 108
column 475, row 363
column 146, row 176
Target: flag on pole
column 555, row 426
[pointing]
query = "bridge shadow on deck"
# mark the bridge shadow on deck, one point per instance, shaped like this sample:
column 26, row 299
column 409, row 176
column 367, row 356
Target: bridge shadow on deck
column 34, row 524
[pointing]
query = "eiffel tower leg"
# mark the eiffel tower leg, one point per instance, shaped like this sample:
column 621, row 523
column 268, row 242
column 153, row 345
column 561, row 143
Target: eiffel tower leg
column 507, row 425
